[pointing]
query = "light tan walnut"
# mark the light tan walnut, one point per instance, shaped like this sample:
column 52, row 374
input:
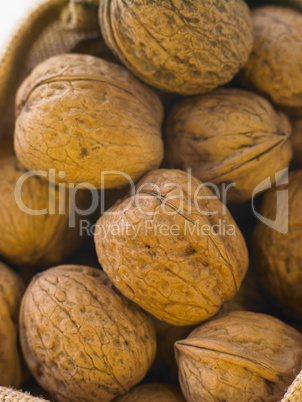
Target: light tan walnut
column 81, row 340
column 241, row 356
column 11, row 291
column 189, row 47
column 172, row 248
column 231, row 137
column 152, row 393
column 83, row 116
column 273, row 67
column 29, row 239
column 278, row 251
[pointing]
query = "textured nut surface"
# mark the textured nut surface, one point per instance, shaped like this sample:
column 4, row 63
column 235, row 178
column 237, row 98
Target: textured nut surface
column 189, row 47
column 11, row 395
column 11, row 290
column 27, row 239
column 82, row 341
column 296, row 139
column 278, row 256
column 160, row 249
column 152, row 393
column 241, row 356
column 228, row 136
column 273, row 67
column 83, row 115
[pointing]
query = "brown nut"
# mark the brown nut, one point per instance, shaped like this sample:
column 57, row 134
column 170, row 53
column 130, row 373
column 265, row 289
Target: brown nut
column 277, row 247
column 152, row 393
column 81, row 341
column 84, row 116
column 11, row 395
column 273, row 67
column 241, row 356
column 165, row 248
column 29, row 237
column 229, row 136
column 296, row 139
column 188, row 47
column 11, row 291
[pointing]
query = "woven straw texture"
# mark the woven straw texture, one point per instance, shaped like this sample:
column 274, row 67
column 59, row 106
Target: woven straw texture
column 10, row 395
column 51, row 27
column 294, row 392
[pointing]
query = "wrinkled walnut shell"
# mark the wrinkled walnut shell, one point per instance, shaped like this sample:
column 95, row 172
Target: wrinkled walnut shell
column 11, row 291
column 152, row 393
column 241, row 356
column 278, row 254
column 188, row 47
column 274, row 66
column 82, row 341
column 171, row 261
column 228, row 136
column 27, row 239
column 83, row 115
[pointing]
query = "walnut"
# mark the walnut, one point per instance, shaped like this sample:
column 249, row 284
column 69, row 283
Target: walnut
column 273, row 67
column 178, row 256
column 229, row 136
column 152, row 393
column 278, row 253
column 11, row 291
column 296, row 139
column 82, row 341
column 188, row 47
column 241, row 356
column 34, row 240
column 11, row 395
column 82, row 115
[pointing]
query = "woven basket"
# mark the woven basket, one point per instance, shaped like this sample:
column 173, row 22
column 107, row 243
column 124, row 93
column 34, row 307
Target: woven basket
column 51, row 27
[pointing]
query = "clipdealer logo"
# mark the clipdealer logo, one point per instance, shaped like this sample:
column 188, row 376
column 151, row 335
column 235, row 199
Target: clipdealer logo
column 65, row 196
column 280, row 224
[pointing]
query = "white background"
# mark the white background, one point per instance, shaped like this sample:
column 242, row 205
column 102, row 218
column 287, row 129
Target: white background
column 11, row 11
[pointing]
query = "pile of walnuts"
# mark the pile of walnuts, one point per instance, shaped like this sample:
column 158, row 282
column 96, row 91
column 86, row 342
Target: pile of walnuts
column 151, row 210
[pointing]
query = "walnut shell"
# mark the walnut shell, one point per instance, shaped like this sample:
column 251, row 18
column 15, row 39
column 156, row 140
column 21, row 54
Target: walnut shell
column 162, row 249
column 83, row 116
column 11, row 395
column 81, row 341
column 278, row 256
column 273, row 67
column 296, row 139
column 33, row 240
column 188, row 47
column 228, row 136
column 152, row 393
column 11, row 291
column 241, row 356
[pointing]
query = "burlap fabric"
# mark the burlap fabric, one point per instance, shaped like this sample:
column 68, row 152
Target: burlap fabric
column 51, row 27
column 10, row 395
column 294, row 392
